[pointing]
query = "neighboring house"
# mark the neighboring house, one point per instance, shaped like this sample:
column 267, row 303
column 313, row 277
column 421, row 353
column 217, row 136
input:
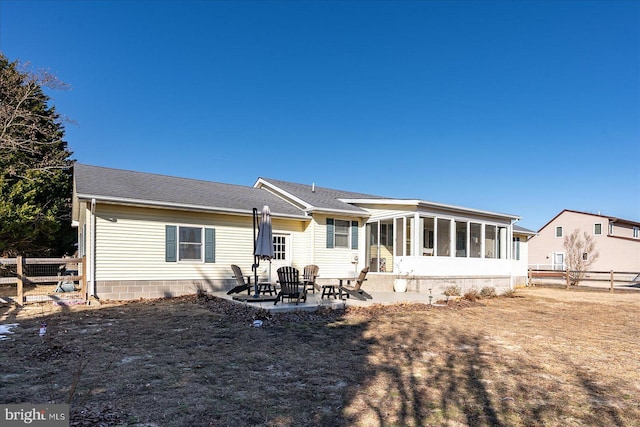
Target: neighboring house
column 617, row 242
column 147, row 235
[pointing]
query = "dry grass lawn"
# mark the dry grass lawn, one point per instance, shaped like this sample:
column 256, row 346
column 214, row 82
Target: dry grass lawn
column 545, row 357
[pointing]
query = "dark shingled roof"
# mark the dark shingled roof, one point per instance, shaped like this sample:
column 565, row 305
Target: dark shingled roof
column 517, row 228
column 145, row 188
column 321, row 197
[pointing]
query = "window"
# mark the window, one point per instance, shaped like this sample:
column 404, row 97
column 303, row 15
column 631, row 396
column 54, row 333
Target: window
column 408, row 235
column 279, row 248
column 597, row 229
column 443, row 234
column 611, row 228
column 636, row 232
column 585, row 256
column 428, row 229
column 475, row 246
column 501, row 242
column 342, row 233
column 558, row 231
column 386, row 234
column 461, row 239
column 516, row 248
column 399, row 236
column 490, row 241
column 190, row 244
column 81, row 241
column 184, row 243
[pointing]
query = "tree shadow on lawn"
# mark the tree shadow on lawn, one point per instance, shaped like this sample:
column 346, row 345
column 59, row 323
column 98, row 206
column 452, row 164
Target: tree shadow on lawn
column 192, row 361
column 425, row 376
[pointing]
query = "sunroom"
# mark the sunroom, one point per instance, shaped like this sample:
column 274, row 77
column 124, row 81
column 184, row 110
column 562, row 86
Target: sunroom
column 425, row 240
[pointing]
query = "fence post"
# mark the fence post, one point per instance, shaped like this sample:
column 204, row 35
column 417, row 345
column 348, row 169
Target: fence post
column 568, row 280
column 20, row 275
column 611, row 290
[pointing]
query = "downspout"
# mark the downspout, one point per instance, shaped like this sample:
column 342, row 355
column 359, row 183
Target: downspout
column 92, row 287
column 512, row 260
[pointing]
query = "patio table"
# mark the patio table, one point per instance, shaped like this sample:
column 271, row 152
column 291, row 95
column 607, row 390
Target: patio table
column 330, row 290
column 266, row 287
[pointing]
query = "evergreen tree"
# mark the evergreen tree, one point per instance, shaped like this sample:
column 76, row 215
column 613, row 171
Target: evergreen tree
column 35, row 167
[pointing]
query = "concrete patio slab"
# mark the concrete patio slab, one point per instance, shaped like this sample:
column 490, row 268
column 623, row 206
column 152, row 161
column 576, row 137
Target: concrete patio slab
column 314, row 301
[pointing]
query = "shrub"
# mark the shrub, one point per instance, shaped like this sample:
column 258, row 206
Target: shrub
column 488, row 292
column 510, row 293
column 452, row 291
column 472, row 295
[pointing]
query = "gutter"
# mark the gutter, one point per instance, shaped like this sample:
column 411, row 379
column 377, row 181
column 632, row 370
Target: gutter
column 430, row 205
column 182, row 207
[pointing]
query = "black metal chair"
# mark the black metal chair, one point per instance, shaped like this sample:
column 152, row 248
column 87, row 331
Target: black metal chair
column 290, row 285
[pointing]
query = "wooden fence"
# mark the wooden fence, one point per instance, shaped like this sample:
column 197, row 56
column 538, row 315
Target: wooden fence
column 593, row 278
column 61, row 280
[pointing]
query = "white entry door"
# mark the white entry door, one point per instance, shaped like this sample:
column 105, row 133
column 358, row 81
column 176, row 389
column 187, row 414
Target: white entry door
column 558, row 260
column 281, row 254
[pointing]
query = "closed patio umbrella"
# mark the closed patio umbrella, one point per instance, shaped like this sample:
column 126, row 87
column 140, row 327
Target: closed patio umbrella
column 263, row 244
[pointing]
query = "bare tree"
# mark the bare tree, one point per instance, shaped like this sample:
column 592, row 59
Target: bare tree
column 31, row 132
column 581, row 253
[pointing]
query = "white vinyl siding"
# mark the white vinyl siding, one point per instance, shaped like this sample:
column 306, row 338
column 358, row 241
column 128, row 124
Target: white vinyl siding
column 130, row 244
column 335, row 262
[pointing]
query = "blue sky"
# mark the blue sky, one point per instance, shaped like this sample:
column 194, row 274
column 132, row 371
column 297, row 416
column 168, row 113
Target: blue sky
column 521, row 107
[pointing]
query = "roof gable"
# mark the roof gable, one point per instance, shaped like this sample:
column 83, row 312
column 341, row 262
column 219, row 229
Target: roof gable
column 610, row 218
column 314, row 198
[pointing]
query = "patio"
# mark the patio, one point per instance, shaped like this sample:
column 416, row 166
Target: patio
column 314, row 301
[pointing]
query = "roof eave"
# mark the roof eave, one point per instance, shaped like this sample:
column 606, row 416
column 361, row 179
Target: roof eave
column 328, row 211
column 179, row 206
column 422, row 203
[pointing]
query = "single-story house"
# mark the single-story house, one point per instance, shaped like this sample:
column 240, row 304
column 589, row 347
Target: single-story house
column 147, row 235
column 617, row 242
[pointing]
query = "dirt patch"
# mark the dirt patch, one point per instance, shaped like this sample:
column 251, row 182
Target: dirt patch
column 546, row 357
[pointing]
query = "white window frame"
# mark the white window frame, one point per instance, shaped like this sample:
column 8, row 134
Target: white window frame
column 595, row 233
column 559, row 227
column 336, row 234
column 180, row 243
column 636, row 232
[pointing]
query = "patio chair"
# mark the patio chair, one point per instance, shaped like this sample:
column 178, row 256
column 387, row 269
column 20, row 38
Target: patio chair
column 309, row 278
column 356, row 291
column 243, row 281
column 290, row 285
